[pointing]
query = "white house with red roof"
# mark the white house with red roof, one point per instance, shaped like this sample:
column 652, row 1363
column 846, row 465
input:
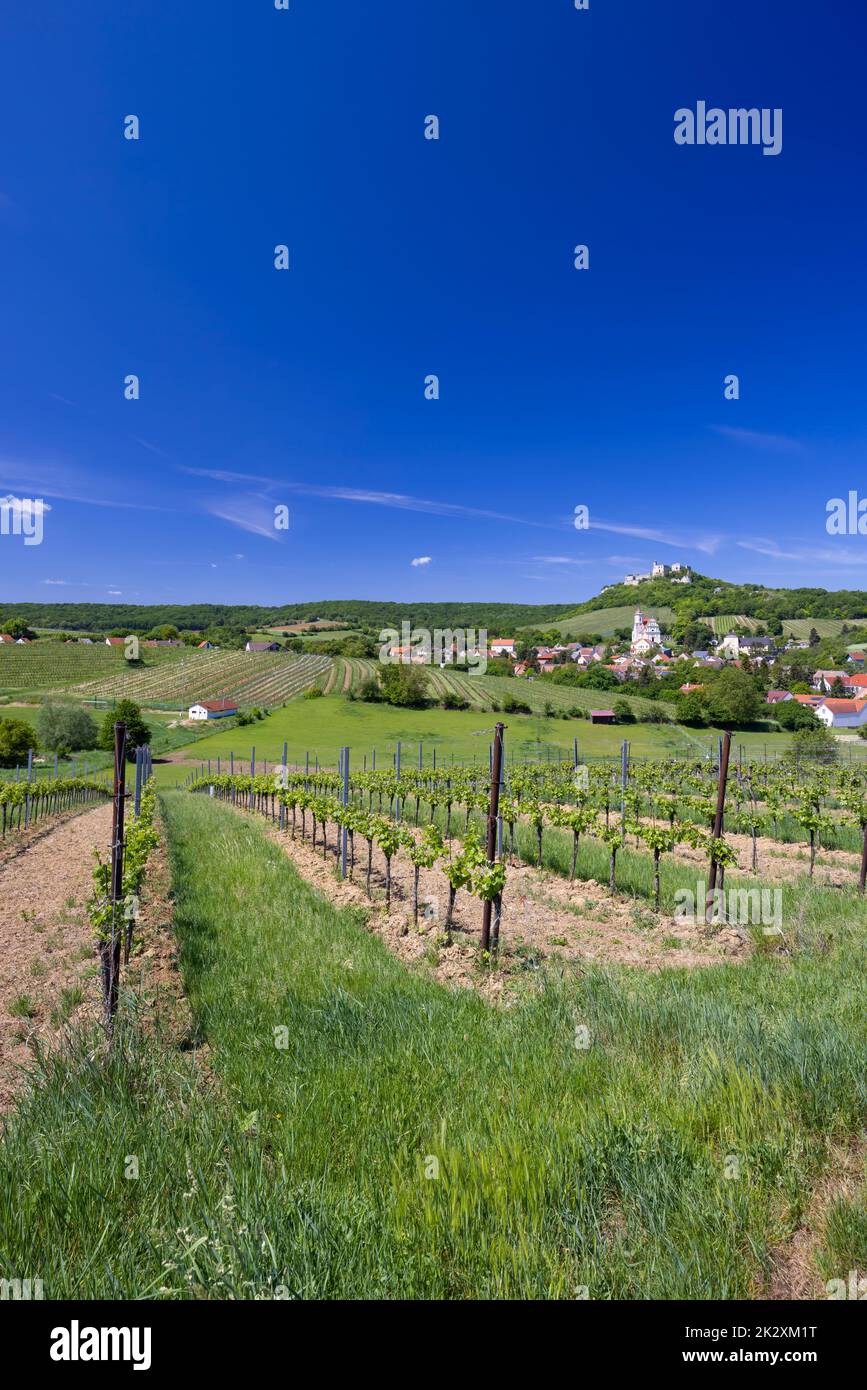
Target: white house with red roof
column 213, row 709
column 823, row 680
column 842, row 714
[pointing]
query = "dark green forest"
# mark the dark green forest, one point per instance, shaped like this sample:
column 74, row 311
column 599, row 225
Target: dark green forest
column 105, row 617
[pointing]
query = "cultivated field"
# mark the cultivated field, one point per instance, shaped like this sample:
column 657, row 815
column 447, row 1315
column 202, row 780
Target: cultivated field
column 251, row 678
column 46, row 665
column 800, row 628
column 726, row 622
column 486, row 692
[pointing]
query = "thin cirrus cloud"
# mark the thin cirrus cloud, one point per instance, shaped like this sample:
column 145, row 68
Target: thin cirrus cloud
column 254, row 514
column 843, row 558
column 708, row 545
column 560, row 560
column 759, row 439
column 401, row 501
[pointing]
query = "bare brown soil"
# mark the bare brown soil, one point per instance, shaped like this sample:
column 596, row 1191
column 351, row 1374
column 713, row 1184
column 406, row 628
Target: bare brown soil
column 794, row 1274
column 47, row 960
column 18, row 842
column 47, row 947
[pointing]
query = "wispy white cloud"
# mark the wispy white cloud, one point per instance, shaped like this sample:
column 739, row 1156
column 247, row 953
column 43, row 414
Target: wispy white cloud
column 758, row 439
column 227, row 475
column 151, row 448
column 250, row 513
column 708, row 545
column 421, row 560
column 560, row 560
column 832, row 556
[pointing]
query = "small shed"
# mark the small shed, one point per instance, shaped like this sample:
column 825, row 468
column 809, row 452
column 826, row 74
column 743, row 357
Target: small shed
column 602, row 716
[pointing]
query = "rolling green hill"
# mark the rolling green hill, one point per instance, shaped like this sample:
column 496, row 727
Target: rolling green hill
column 605, row 621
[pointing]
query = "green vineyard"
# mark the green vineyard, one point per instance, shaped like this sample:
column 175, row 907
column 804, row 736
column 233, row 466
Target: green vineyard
column 265, row 678
column 57, row 665
column 490, row 692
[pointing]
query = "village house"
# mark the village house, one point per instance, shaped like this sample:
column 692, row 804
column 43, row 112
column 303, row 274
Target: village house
column 824, row 680
column 114, row 641
column 842, row 714
column 503, row 646
column 776, row 697
column 262, row 647
column 756, row 648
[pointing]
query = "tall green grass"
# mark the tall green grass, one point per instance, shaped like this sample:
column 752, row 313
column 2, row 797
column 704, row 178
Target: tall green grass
column 414, row 1142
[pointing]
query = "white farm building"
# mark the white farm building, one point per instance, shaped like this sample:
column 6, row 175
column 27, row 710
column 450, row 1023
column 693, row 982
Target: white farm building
column 212, row 709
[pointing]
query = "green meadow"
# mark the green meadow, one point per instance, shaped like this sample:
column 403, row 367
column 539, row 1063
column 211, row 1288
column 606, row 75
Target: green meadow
column 321, row 727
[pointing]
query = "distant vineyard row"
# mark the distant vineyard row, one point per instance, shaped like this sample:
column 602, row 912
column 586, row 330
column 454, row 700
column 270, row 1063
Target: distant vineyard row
column 799, row 628
column 482, row 692
column 55, row 665
column 250, row 678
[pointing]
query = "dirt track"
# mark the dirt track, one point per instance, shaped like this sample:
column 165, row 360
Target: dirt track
column 46, row 944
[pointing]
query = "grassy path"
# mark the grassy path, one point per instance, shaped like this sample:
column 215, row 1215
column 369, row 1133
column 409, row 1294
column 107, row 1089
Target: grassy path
column 368, row 1133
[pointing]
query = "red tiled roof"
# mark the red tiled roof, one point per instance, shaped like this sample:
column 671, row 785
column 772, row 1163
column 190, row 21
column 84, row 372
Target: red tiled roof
column 217, row 705
column 837, row 706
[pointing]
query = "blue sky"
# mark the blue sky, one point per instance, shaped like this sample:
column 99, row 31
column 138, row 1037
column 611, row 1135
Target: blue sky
column 305, row 388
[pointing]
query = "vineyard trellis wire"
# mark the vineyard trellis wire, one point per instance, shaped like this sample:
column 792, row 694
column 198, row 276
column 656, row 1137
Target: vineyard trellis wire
column 659, row 805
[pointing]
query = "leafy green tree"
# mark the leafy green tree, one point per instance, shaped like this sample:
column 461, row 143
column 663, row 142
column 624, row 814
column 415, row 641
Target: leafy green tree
column 733, row 699
column 692, row 708
column 791, row 714
column 137, row 732
column 814, row 745
column 403, row 685
column 16, row 627
column 623, row 712
column 66, row 728
column 16, row 739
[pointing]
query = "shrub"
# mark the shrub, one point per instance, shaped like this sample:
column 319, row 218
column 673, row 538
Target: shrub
column 511, row 705
column 451, row 700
